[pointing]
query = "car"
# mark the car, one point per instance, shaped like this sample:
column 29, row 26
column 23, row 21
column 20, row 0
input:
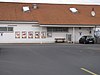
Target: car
column 87, row 40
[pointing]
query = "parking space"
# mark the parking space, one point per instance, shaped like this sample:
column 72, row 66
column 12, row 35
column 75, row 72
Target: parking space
column 49, row 59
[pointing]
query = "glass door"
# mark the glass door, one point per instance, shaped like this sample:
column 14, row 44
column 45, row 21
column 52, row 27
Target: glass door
column 68, row 38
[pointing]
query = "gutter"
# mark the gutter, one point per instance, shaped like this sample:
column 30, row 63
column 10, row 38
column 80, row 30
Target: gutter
column 68, row 25
column 19, row 22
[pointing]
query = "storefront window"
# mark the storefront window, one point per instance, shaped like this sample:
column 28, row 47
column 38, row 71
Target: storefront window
column 57, row 29
column 3, row 28
column 6, row 29
column 10, row 28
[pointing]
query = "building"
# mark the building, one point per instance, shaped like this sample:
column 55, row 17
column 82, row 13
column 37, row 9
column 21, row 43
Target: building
column 42, row 23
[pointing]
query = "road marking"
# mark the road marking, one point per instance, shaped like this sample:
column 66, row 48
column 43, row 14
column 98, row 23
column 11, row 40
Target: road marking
column 88, row 71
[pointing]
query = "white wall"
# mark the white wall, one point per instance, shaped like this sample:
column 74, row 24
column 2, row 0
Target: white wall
column 10, row 37
column 83, row 31
column 77, row 36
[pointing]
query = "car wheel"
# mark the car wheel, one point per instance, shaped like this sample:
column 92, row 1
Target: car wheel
column 84, row 42
column 92, row 42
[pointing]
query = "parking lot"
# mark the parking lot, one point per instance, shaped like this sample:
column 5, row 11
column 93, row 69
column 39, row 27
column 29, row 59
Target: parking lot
column 49, row 59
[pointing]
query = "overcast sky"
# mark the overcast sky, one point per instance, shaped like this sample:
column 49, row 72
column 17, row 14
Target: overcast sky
column 57, row 1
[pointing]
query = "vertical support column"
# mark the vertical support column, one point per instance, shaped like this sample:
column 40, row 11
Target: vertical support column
column 40, row 36
column 95, row 34
column 73, row 35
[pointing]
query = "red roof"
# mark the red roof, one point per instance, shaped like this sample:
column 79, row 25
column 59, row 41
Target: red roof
column 50, row 13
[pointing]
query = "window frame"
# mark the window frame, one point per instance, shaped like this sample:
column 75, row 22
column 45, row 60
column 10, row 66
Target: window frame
column 7, row 29
column 57, row 29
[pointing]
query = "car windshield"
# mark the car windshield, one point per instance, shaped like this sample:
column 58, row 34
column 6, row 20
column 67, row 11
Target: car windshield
column 89, row 37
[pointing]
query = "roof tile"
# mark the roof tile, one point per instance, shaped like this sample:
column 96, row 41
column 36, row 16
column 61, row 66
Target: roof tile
column 50, row 13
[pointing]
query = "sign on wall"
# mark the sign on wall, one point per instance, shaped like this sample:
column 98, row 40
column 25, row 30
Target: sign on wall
column 49, row 34
column 30, row 34
column 24, row 34
column 37, row 34
column 43, row 34
column 17, row 34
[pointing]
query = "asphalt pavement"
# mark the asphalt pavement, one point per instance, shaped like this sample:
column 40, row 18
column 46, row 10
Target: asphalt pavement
column 49, row 59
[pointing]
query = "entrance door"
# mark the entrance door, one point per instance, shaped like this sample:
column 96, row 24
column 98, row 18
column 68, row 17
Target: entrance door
column 68, row 38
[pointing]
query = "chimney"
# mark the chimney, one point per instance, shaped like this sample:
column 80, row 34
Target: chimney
column 93, row 14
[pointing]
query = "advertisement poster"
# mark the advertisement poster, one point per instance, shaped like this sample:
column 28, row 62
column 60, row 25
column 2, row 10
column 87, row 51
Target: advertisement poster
column 24, row 34
column 30, row 34
column 37, row 34
column 17, row 34
column 43, row 34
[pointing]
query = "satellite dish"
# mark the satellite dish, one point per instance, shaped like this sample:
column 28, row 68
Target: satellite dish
column 93, row 12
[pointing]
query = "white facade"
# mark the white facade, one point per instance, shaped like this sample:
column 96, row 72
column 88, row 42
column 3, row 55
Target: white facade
column 33, row 29
column 78, row 33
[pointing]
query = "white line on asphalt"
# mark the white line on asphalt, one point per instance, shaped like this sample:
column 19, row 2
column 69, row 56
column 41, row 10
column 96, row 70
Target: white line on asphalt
column 88, row 71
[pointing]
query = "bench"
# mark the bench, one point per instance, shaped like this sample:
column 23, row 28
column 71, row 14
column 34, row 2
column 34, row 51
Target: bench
column 59, row 40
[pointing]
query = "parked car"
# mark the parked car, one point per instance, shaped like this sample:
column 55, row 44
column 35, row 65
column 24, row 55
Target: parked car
column 87, row 40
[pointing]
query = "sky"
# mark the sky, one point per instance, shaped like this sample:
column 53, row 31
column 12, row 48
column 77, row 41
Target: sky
column 93, row 2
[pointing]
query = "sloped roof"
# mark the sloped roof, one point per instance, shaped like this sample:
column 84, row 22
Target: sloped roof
column 50, row 13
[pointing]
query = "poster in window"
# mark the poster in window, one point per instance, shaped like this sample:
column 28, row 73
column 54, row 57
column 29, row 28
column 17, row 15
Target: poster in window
column 43, row 34
column 24, row 34
column 30, row 34
column 49, row 34
column 17, row 34
column 37, row 34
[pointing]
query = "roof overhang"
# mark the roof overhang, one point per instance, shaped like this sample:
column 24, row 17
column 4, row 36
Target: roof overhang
column 80, row 25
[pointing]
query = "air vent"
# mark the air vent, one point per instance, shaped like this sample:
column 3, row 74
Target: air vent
column 26, row 9
column 34, row 6
column 73, row 10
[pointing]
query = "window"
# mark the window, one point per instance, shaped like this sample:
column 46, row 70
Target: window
column 73, row 10
column 57, row 29
column 49, row 29
column 6, row 29
column 83, row 37
column 10, row 28
column 3, row 28
column 80, row 28
column 26, row 9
